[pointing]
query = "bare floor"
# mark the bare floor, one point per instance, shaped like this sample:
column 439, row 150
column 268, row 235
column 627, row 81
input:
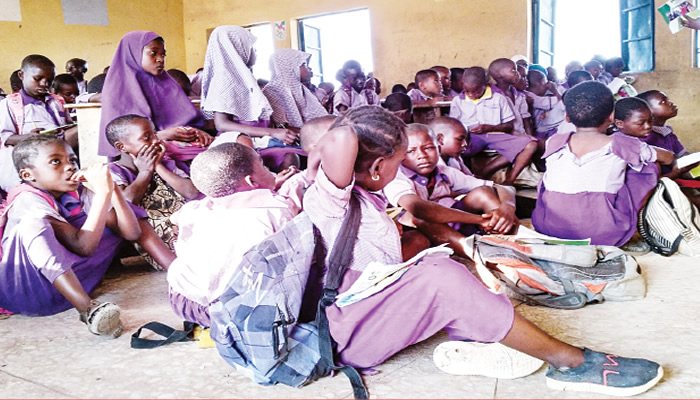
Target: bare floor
column 56, row 357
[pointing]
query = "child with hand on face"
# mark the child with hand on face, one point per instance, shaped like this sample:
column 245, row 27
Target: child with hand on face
column 59, row 237
column 426, row 190
column 150, row 180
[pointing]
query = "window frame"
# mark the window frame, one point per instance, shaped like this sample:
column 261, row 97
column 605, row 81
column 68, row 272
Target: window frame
column 625, row 35
column 625, row 31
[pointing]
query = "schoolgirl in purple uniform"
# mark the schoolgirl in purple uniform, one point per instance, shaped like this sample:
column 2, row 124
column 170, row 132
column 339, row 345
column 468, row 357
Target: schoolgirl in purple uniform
column 437, row 293
column 595, row 184
column 59, row 237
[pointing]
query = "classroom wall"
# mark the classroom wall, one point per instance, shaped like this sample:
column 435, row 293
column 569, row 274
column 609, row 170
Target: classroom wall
column 407, row 35
column 676, row 75
column 42, row 31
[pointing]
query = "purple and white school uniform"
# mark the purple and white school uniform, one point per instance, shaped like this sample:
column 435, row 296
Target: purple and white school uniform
column 292, row 103
column 417, row 95
column 597, row 196
column 129, row 89
column 663, row 137
column 46, row 114
column 348, row 97
column 440, row 188
column 549, row 112
column 457, row 163
column 491, row 109
column 437, row 293
column 519, row 107
column 33, row 258
column 447, row 181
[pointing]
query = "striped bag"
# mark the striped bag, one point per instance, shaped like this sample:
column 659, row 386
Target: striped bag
column 670, row 222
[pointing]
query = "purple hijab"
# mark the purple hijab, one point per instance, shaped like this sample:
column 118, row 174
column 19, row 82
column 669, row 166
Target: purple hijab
column 129, row 89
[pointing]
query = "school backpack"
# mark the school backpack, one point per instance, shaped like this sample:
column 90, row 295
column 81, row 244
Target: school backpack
column 556, row 275
column 16, row 107
column 670, row 222
column 270, row 323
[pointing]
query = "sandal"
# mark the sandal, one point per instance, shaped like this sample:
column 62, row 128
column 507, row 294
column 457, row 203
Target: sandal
column 103, row 319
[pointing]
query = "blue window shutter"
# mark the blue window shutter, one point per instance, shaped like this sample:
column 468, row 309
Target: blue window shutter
column 637, row 34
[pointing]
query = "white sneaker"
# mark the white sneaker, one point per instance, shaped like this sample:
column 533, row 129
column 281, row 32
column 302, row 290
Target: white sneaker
column 103, row 319
column 493, row 360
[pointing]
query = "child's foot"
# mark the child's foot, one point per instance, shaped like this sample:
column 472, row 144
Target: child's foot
column 493, row 360
column 103, row 319
column 606, row 374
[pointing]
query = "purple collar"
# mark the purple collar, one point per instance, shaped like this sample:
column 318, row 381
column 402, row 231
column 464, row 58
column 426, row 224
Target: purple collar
column 423, row 180
column 27, row 99
column 376, row 199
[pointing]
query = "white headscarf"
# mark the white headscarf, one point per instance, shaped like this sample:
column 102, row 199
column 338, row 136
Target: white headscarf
column 228, row 86
column 291, row 101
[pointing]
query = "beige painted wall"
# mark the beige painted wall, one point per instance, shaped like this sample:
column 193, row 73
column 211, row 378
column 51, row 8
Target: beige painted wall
column 676, row 75
column 412, row 34
column 407, row 35
column 42, row 31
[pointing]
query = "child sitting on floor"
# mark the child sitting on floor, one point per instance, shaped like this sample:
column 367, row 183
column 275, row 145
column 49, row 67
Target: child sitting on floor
column 292, row 102
column 427, row 93
column 32, row 110
column 595, row 68
column 489, row 119
column 149, row 179
column 59, row 237
column 138, row 84
column 505, row 73
column 633, row 117
column 426, row 190
column 595, row 184
column 437, row 293
column 240, row 198
column 663, row 109
column 547, row 104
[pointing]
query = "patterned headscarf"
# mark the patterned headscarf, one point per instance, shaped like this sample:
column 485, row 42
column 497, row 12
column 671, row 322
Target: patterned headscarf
column 128, row 89
column 228, row 86
column 291, row 101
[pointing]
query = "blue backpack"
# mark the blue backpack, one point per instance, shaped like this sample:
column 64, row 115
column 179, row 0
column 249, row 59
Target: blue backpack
column 270, row 323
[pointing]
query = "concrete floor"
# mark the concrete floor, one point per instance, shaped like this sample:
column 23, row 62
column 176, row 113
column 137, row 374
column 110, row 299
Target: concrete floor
column 56, row 357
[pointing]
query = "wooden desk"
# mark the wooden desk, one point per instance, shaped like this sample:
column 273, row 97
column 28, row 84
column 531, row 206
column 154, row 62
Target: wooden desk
column 88, row 132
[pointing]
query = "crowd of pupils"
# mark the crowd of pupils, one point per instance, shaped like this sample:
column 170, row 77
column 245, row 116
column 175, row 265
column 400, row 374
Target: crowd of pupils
column 193, row 189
